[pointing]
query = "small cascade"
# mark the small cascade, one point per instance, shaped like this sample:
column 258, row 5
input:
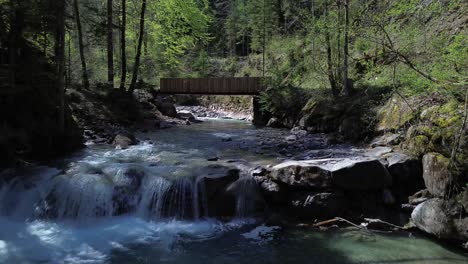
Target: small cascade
column 117, row 184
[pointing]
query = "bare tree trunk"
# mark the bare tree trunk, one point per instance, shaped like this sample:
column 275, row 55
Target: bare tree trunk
column 110, row 45
column 60, row 63
column 68, row 80
column 123, row 76
column 346, row 87
column 338, row 69
column 84, row 70
column 331, row 74
column 16, row 32
column 462, row 131
column 140, row 42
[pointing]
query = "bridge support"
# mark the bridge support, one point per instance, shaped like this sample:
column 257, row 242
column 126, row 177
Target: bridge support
column 260, row 118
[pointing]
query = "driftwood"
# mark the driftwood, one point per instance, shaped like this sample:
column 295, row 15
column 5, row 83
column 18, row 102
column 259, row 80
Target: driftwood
column 362, row 226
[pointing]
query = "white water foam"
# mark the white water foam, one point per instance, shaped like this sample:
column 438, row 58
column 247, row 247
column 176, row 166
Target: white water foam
column 67, row 242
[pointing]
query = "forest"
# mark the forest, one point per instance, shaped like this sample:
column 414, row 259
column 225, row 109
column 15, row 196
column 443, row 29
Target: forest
column 361, row 124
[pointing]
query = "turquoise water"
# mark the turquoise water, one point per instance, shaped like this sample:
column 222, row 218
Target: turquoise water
column 84, row 181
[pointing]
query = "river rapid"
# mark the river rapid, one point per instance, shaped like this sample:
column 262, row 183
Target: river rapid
column 68, row 211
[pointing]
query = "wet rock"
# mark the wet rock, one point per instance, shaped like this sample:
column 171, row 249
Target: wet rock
column 318, row 205
column 249, row 199
column 163, row 124
column 406, row 174
column 123, row 141
column 186, row 115
column 226, row 139
column 347, row 174
column 299, row 132
column 126, row 184
column 275, row 123
column 213, row 159
column 378, row 152
column 291, row 138
column 436, row 174
column 273, row 192
column 167, row 108
column 219, row 201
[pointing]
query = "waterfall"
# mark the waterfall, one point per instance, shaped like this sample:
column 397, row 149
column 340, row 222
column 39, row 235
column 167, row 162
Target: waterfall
column 127, row 182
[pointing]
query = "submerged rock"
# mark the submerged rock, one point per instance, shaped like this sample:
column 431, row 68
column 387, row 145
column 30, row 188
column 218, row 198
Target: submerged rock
column 124, row 141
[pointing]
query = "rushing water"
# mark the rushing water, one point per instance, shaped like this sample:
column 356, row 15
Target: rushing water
column 146, row 204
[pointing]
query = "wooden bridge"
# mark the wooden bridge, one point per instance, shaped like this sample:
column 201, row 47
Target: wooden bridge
column 219, row 86
column 213, row 86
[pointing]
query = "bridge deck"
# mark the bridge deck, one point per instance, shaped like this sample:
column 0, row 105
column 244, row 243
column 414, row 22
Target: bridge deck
column 215, row 86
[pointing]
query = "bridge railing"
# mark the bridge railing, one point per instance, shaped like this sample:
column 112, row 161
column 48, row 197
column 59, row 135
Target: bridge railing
column 219, row 86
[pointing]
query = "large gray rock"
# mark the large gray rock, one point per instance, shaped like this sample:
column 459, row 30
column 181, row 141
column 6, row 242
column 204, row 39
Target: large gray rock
column 167, row 108
column 431, row 217
column 348, row 174
column 438, row 217
column 123, row 141
column 388, row 139
column 436, row 173
column 186, row 115
column 219, row 201
column 406, row 174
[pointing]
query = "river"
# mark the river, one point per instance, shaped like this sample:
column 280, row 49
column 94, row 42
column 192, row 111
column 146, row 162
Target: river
column 68, row 211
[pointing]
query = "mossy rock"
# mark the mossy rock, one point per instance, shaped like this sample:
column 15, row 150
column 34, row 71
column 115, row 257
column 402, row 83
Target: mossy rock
column 395, row 114
column 444, row 116
column 418, row 145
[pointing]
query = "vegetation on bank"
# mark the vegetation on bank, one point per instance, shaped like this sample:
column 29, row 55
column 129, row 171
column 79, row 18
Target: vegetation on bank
column 346, row 56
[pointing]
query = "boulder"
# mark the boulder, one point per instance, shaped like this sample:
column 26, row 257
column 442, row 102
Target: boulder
column 406, row 175
column 167, row 108
column 124, row 141
column 218, row 200
column 299, row 132
column 396, row 113
column 432, row 217
column 142, row 96
column 320, row 206
column 464, row 199
column 161, row 124
column 186, row 115
column 344, row 173
column 388, row 139
column 273, row 192
column 419, row 197
column 275, row 123
column 436, row 174
column 291, row 138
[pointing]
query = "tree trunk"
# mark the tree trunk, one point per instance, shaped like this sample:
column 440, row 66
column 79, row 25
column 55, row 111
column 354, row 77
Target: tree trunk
column 331, row 75
column 123, row 76
column 138, row 53
column 60, row 64
column 84, row 70
column 110, row 45
column 346, row 83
